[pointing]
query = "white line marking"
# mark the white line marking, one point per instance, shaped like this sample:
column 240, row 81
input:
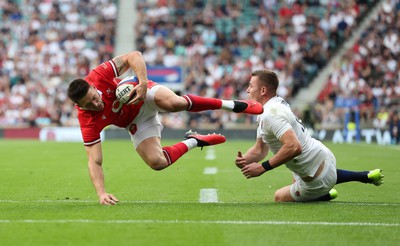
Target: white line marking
column 208, row 195
column 210, row 154
column 210, row 170
column 366, row 203
column 225, row 222
column 193, row 202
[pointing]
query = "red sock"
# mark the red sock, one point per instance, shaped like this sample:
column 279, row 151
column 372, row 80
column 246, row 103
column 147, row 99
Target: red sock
column 174, row 152
column 197, row 103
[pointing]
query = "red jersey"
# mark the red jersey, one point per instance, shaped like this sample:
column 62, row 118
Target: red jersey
column 93, row 122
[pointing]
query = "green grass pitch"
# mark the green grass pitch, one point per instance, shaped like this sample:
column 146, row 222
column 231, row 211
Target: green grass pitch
column 46, row 198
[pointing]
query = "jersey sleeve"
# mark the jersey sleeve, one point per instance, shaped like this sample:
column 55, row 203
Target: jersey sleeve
column 277, row 122
column 90, row 137
column 104, row 73
column 90, row 131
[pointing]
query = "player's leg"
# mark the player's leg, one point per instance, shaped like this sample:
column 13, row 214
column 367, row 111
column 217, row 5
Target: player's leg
column 332, row 194
column 296, row 193
column 330, row 177
column 197, row 104
column 146, row 138
column 158, row 157
column 146, row 129
column 151, row 153
column 283, row 195
column 369, row 177
column 166, row 100
column 319, row 188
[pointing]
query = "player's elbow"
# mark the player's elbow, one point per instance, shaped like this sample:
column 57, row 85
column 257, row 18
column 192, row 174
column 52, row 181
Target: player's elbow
column 132, row 57
column 135, row 54
column 296, row 148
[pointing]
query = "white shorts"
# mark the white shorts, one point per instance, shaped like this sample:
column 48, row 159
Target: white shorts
column 308, row 191
column 146, row 124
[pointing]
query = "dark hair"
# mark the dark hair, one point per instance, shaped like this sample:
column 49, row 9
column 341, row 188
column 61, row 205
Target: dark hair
column 77, row 89
column 268, row 78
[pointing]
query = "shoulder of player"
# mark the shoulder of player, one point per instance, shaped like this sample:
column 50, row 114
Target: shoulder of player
column 275, row 114
column 86, row 116
column 107, row 70
column 274, row 106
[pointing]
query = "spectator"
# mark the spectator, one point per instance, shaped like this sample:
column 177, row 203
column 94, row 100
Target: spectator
column 394, row 127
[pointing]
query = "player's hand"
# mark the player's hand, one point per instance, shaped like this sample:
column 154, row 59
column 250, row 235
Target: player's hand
column 252, row 170
column 240, row 160
column 108, row 199
column 140, row 92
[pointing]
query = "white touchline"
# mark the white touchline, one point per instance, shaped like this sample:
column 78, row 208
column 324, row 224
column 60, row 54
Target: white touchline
column 192, row 202
column 226, row 222
column 210, row 170
column 208, row 196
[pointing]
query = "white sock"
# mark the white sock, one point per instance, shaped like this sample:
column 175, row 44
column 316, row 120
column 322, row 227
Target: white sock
column 227, row 104
column 190, row 143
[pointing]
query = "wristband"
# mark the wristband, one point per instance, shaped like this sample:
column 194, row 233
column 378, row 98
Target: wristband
column 266, row 165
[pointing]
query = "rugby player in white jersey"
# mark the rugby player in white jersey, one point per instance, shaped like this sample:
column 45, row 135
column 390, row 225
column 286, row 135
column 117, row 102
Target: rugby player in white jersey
column 313, row 165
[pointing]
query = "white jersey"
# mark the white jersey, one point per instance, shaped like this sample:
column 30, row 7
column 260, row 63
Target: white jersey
column 275, row 121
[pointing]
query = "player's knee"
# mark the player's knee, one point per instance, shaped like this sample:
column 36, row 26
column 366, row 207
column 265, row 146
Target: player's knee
column 157, row 164
column 281, row 196
column 278, row 197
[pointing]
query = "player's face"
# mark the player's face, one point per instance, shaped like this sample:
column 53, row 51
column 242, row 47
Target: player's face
column 92, row 101
column 254, row 89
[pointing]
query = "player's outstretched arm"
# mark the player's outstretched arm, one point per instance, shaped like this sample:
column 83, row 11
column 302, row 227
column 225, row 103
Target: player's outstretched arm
column 255, row 153
column 248, row 162
column 291, row 147
column 95, row 161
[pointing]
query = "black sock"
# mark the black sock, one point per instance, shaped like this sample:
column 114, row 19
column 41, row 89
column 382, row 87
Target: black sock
column 347, row 176
column 326, row 197
column 239, row 106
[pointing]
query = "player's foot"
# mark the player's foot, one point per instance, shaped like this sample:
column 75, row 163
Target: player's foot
column 376, row 177
column 333, row 193
column 205, row 140
column 248, row 107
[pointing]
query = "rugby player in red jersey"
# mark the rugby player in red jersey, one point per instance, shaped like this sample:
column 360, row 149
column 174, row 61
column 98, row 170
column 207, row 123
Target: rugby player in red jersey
column 98, row 107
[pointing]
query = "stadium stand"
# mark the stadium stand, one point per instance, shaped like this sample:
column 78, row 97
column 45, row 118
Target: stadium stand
column 368, row 74
column 44, row 45
column 226, row 40
column 218, row 43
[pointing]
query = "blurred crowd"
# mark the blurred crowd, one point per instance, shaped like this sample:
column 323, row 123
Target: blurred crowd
column 43, row 45
column 218, row 43
column 369, row 76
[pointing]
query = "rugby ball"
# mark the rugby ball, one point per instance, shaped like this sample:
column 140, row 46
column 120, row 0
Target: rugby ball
column 124, row 88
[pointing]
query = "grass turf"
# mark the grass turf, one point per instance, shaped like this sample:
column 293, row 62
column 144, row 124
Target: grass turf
column 47, row 199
